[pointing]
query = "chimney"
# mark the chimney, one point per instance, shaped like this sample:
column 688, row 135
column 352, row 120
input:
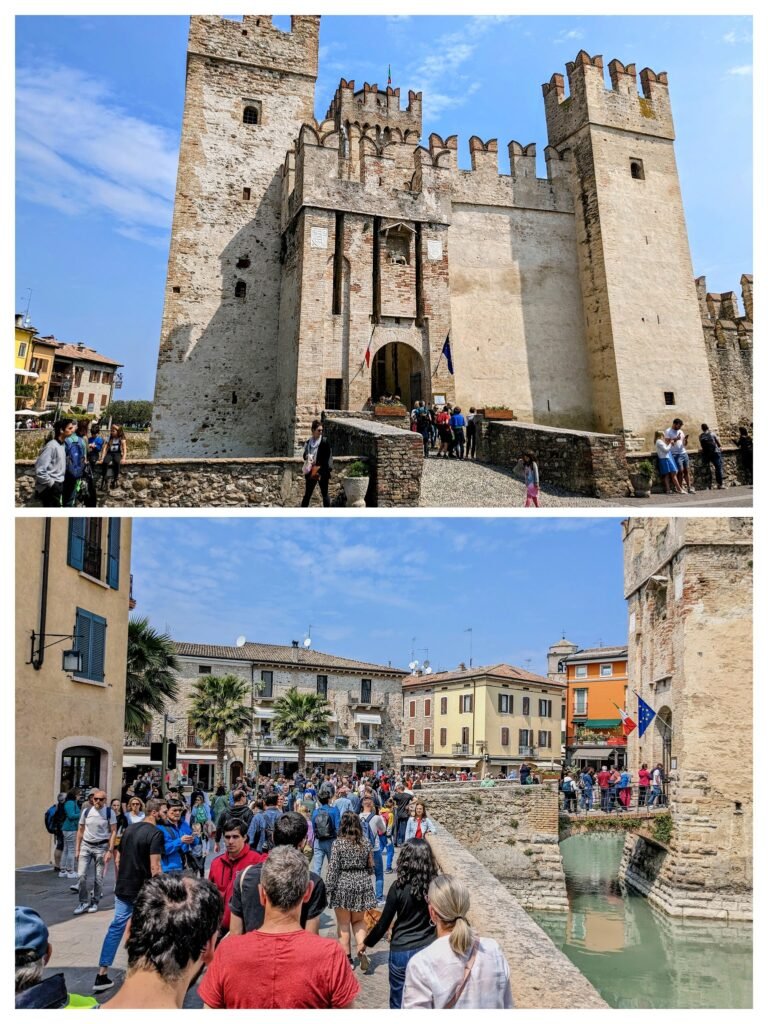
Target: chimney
column 81, row 345
column 19, row 319
column 462, row 667
column 294, row 643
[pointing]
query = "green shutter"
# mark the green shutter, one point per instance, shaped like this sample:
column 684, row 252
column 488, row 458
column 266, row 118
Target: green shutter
column 91, row 641
column 113, row 554
column 83, row 640
column 76, row 543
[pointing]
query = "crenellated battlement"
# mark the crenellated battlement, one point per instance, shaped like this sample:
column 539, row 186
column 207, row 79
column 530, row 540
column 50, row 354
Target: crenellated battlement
column 255, row 40
column 374, row 107
column 721, row 317
column 620, row 106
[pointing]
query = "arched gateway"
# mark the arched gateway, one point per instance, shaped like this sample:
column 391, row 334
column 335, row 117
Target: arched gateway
column 398, row 369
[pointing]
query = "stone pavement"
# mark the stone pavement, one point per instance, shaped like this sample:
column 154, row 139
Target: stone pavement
column 77, row 941
column 451, row 483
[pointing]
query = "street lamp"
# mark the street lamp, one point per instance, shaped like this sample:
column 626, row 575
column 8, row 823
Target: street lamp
column 166, row 719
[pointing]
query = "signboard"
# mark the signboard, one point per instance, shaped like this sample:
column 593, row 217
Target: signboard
column 434, row 249
column 318, row 238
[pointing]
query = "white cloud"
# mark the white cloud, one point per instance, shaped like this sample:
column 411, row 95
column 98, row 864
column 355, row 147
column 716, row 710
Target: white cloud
column 80, row 151
column 741, row 69
column 569, row 36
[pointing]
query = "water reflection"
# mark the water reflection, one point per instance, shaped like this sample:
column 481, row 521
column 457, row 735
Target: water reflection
column 636, row 956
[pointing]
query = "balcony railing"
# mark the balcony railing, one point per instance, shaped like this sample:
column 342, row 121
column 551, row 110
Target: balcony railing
column 420, row 748
column 370, row 744
column 261, row 696
column 357, row 700
column 341, row 741
column 526, row 751
column 462, row 748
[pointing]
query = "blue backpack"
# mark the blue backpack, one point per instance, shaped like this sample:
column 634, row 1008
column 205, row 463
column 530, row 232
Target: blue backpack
column 75, row 458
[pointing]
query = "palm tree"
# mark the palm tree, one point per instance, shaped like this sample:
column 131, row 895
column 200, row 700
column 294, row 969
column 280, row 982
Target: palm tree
column 150, row 679
column 218, row 707
column 300, row 719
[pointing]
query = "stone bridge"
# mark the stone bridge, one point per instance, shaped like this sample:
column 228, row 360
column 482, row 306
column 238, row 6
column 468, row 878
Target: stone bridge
column 596, row 821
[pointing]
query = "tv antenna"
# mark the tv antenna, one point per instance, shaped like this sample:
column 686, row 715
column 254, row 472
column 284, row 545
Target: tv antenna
column 29, row 303
column 240, row 642
column 469, row 630
column 308, row 637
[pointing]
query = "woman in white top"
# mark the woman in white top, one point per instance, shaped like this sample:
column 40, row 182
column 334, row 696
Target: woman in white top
column 459, row 969
column 667, row 464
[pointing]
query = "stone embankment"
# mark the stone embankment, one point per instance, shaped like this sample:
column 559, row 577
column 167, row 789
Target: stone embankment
column 542, row 977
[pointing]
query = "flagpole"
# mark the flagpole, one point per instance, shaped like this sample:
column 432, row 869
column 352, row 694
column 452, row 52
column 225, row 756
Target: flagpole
column 657, row 716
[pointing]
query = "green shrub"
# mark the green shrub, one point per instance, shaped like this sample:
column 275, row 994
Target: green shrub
column 357, row 469
column 529, row 853
column 645, row 468
column 662, row 828
column 513, row 823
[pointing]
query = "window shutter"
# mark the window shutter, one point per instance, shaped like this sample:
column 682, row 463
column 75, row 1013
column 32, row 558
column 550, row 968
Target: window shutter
column 76, row 544
column 113, row 559
column 98, row 647
column 83, row 640
column 501, row 702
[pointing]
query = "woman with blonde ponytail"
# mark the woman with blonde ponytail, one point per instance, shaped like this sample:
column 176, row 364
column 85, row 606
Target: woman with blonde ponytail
column 459, row 969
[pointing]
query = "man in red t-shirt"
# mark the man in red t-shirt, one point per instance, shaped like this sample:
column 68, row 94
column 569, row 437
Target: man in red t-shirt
column 296, row 969
column 604, row 782
column 238, row 856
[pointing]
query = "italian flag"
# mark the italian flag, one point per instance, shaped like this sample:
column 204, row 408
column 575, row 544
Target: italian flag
column 627, row 725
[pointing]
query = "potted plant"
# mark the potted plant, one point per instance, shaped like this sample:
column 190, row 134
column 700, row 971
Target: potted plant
column 641, row 478
column 497, row 412
column 355, row 483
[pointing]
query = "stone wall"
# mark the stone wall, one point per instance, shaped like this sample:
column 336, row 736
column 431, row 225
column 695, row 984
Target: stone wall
column 703, row 474
column 194, row 483
column 579, row 461
column 513, row 830
column 395, row 458
column 728, row 336
column 688, row 584
column 534, row 960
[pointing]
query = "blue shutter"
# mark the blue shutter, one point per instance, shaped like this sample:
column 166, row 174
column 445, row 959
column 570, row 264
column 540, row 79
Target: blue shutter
column 76, row 544
column 113, row 555
column 83, row 640
column 98, row 647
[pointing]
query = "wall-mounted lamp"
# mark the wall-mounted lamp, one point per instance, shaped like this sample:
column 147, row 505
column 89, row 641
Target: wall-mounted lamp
column 71, row 660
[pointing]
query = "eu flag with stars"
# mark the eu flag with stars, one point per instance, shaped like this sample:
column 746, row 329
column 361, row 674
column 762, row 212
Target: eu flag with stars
column 447, row 353
column 645, row 715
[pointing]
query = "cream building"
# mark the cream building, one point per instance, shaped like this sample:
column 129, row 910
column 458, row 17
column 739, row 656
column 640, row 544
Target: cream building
column 488, row 718
column 688, row 585
column 363, row 729
column 73, row 593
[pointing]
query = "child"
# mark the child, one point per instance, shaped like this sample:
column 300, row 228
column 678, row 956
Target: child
column 196, row 851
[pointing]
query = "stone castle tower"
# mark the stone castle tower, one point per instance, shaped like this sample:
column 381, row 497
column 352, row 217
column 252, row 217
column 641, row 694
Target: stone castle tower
column 249, row 89
column 315, row 265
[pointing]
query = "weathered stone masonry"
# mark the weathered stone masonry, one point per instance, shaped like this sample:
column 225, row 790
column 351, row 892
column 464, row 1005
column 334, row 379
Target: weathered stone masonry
column 299, row 246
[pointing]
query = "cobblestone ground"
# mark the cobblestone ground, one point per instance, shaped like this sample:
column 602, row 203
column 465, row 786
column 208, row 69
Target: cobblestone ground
column 77, row 941
column 451, row 483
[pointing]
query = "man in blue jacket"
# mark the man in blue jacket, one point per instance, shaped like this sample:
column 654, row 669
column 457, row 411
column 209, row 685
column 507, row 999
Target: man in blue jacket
column 178, row 838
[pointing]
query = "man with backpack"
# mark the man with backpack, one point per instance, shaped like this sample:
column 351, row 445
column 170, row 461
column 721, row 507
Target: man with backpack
column 76, row 448
column 374, row 826
column 402, row 798
column 271, row 814
column 55, row 817
column 326, row 822
column 569, row 795
column 712, row 453
column 239, row 809
column 95, row 843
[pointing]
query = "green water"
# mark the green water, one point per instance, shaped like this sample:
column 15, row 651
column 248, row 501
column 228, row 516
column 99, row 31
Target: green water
column 633, row 954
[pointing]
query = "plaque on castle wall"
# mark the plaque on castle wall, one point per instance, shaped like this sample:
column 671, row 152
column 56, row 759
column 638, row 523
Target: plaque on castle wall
column 434, row 249
column 319, row 238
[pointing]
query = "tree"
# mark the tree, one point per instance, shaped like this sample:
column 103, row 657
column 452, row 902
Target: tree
column 125, row 411
column 301, row 719
column 150, row 679
column 218, row 707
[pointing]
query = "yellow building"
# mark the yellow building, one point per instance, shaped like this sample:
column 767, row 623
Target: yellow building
column 23, row 343
column 73, row 586
column 41, row 362
column 488, row 719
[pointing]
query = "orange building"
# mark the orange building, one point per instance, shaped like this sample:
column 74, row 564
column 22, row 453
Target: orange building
column 597, row 682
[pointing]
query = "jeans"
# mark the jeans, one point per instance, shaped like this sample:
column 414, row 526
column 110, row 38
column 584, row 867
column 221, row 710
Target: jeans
column 398, row 964
column 68, row 856
column 586, row 799
column 425, row 434
column 112, row 459
column 123, row 911
column 401, row 826
column 715, row 459
column 310, row 483
column 378, row 870
column 323, row 849
column 390, row 850
column 458, row 442
column 654, row 796
column 642, row 792
column 605, row 799
column 96, row 854
column 471, row 442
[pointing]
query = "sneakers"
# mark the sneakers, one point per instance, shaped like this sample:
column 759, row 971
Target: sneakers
column 74, row 888
column 365, row 961
column 81, row 908
column 63, row 874
column 93, row 908
column 72, row 874
column 102, row 983
column 389, row 871
column 691, row 490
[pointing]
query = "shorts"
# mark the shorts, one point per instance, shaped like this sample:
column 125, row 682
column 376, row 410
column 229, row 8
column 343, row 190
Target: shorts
column 681, row 458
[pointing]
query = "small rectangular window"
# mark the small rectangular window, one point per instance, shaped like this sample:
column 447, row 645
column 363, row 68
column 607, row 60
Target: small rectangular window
column 465, row 736
column 636, row 168
column 333, row 392
column 411, row 737
column 427, row 707
column 338, row 264
column 176, row 290
column 443, row 705
column 246, row 193
column 266, row 683
column 365, row 691
column 669, row 397
column 545, row 709
column 412, row 709
column 427, row 739
column 606, row 670
column 545, row 739
column 22, row 349
column 443, row 737
column 579, row 702
column 581, row 671
column 526, row 705
column 465, row 703
column 204, row 670
column 505, row 737
column 322, row 686
column 506, row 703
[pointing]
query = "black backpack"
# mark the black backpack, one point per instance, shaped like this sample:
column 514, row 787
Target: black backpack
column 707, row 442
column 54, row 818
column 323, row 825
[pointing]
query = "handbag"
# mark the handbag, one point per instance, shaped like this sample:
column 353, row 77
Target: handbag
column 462, row 985
column 371, row 918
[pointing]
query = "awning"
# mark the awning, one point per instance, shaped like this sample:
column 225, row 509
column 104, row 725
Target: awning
column 134, row 760
column 194, row 758
column 368, row 719
column 26, row 373
column 601, row 723
column 440, row 762
column 589, row 753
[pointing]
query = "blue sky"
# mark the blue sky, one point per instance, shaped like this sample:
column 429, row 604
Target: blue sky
column 368, row 588
column 99, row 104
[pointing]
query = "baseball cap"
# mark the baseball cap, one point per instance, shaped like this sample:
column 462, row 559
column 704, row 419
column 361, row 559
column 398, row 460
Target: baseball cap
column 31, row 932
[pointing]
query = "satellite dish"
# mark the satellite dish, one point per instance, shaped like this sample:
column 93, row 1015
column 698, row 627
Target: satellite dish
column 426, row 665
column 428, row 670
column 240, row 641
column 307, row 641
column 412, row 665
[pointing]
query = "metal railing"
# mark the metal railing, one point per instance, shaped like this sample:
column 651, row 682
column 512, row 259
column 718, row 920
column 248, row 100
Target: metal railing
column 461, row 748
column 609, row 801
column 526, row 751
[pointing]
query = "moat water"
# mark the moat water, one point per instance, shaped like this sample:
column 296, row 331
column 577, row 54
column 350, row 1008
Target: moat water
column 635, row 955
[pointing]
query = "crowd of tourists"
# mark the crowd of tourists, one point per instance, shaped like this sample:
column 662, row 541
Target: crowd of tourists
column 674, row 462
column 74, row 459
column 611, row 789
column 282, row 852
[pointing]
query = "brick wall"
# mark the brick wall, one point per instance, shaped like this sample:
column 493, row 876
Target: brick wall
column 703, row 473
column 532, row 956
column 395, row 457
column 587, row 463
column 512, row 830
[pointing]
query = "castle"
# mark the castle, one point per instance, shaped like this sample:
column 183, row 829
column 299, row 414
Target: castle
column 316, row 265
